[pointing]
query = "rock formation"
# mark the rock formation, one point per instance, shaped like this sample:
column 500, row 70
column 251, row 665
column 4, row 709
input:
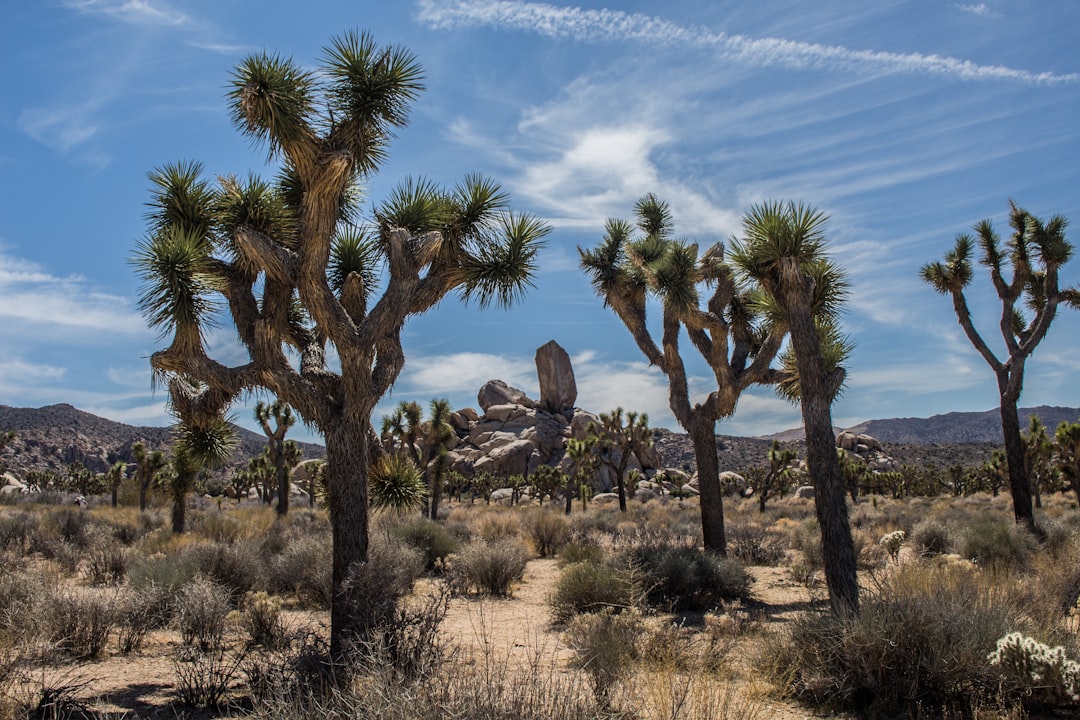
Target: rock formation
column 558, row 391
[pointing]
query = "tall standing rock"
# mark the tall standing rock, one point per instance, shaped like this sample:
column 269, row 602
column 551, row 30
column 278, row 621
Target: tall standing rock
column 558, row 391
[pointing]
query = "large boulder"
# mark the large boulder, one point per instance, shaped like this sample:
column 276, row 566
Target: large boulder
column 496, row 392
column 558, row 390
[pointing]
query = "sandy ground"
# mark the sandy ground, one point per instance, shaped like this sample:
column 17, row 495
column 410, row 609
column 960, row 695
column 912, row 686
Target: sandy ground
column 518, row 628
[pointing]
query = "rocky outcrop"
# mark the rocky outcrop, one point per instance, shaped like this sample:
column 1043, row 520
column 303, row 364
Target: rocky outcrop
column 497, row 392
column 558, row 389
column 868, row 449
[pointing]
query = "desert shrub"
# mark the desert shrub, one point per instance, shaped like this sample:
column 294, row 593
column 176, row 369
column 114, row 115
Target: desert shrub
column 168, row 573
column 498, row 525
column 66, row 555
column 408, row 643
column 231, row 565
column 993, row 541
column 204, row 679
column 806, row 538
column 429, row 537
column 585, row 551
column 605, row 646
column 106, row 563
column 490, row 567
column 587, row 587
column 81, row 623
column 548, row 531
column 216, row 526
column 870, row 554
column 303, row 567
column 260, row 617
column 70, row 525
column 138, row 612
column 920, row 641
column 1059, row 538
column 202, row 611
column 754, row 545
column 23, row 592
column 18, row 531
column 679, row 576
column 374, row 589
column 931, row 537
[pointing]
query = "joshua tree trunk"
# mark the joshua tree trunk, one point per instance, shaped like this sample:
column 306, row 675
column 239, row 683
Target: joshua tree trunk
column 179, row 514
column 347, row 452
column 703, row 436
column 283, row 491
column 830, row 504
column 1019, row 486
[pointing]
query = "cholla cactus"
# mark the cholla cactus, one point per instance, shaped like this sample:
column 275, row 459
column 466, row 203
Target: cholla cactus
column 892, row 542
column 1037, row 668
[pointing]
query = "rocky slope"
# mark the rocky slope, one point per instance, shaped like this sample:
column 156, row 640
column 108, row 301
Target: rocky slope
column 53, row 437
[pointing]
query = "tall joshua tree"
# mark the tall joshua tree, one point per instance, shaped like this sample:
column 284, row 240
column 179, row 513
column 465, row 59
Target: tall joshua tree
column 782, row 250
column 277, row 446
column 298, row 273
column 1035, row 253
column 699, row 296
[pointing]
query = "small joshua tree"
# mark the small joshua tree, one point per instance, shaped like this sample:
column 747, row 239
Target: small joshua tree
column 618, row 443
column 281, row 454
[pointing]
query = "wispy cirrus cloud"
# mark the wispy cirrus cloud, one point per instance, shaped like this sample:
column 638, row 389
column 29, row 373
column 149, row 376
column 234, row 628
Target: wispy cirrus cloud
column 604, row 25
column 142, row 12
column 34, row 297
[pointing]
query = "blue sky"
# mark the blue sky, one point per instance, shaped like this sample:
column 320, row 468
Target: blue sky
column 906, row 121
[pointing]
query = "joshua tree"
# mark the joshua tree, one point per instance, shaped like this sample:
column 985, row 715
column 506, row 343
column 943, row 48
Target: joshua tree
column 1035, row 253
column 547, row 480
column 281, row 457
column 778, row 474
column 297, row 273
column 396, row 483
column 427, row 443
column 699, row 295
column 1067, row 454
column 195, row 449
column 1038, row 457
column 147, row 466
column 114, row 477
column 783, row 251
column 618, row 443
column 6, row 438
column 581, row 452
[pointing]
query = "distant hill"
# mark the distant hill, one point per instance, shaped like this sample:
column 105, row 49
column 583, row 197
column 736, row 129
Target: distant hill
column 959, row 427
column 53, row 437
column 950, row 428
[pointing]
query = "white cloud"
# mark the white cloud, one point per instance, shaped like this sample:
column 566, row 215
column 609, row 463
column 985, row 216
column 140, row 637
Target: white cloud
column 979, row 9
column 60, row 127
column 465, row 372
column 34, row 297
column 141, row 12
column 606, row 25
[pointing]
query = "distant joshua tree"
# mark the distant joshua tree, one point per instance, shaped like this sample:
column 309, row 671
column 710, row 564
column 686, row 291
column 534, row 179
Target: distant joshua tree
column 1035, row 253
column 618, row 443
column 282, row 453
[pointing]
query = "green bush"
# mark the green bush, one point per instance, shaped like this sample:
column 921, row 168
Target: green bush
column 490, row 567
column 683, row 577
column 429, row 537
column 592, row 586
